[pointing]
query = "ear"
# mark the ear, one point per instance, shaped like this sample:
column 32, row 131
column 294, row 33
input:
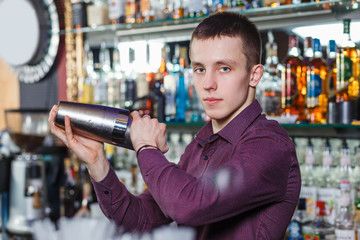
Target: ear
column 256, row 73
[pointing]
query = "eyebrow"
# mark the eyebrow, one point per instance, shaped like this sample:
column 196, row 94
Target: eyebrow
column 219, row 62
column 195, row 64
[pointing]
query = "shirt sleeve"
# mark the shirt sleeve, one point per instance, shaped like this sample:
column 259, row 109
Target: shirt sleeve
column 259, row 177
column 134, row 213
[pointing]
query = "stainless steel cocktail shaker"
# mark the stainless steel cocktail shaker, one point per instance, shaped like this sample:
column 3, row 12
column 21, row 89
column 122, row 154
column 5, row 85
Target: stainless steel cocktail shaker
column 101, row 123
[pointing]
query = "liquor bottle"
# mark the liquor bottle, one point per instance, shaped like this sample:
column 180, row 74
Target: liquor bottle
column 347, row 64
column 222, row 5
column 170, row 85
column 86, row 90
column 344, row 223
column 130, row 11
column 118, row 94
column 182, row 98
column 97, row 13
column 331, row 61
column 357, row 210
column 79, row 13
column 355, row 175
column 112, row 89
column 326, row 183
column 299, row 220
column 308, row 55
column 270, row 87
column 319, row 228
column 143, row 101
column 332, row 115
column 292, row 82
column 117, row 11
column 170, row 91
column 138, row 14
column 168, row 10
column 308, row 183
column 316, row 79
column 101, row 83
column 70, row 193
column 196, row 110
column 179, row 11
column 172, row 141
column 180, row 147
column 158, row 106
column 164, row 60
column 130, row 81
column 196, row 8
column 84, row 184
column 345, row 170
column 209, row 7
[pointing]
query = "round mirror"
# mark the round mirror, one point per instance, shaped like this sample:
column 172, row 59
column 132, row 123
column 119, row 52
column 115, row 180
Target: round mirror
column 30, row 38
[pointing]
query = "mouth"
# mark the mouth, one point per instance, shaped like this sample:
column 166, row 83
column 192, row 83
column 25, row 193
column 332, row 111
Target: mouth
column 212, row 101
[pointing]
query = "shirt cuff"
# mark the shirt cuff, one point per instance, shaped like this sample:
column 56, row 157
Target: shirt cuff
column 107, row 191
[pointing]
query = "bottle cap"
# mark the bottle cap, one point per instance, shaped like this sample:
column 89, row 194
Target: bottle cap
column 332, row 45
column 346, row 23
column 316, row 46
column 308, row 42
column 302, row 204
column 293, row 41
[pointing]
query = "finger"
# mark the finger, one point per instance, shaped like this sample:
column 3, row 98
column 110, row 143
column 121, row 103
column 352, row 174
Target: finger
column 135, row 115
column 68, row 131
column 52, row 115
column 58, row 132
column 161, row 140
column 162, row 127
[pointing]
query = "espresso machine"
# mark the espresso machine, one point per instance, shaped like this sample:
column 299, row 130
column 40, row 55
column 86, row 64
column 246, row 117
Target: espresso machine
column 28, row 193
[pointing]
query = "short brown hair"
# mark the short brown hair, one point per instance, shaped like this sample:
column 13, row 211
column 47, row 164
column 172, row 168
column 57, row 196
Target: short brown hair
column 232, row 25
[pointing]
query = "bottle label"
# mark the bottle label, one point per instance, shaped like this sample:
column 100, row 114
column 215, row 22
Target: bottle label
column 312, row 237
column 328, row 195
column 289, row 87
column 116, row 9
column 344, row 234
column 310, row 194
column 345, row 68
column 314, row 86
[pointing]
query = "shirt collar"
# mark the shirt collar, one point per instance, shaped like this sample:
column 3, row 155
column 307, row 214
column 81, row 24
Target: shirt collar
column 234, row 129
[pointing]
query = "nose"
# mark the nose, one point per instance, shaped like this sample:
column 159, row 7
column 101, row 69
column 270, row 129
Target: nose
column 210, row 82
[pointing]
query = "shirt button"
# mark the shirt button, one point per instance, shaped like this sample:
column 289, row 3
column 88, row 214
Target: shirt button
column 106, row 192
column 206, row 157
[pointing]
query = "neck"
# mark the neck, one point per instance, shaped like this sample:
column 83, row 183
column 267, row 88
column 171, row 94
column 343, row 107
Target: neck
column 219, row 124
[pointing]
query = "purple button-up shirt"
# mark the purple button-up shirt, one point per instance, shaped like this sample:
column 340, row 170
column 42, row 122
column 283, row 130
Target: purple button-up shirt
column 240, row 183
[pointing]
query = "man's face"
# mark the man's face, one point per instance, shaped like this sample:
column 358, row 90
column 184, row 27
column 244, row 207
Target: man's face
column 220, row 76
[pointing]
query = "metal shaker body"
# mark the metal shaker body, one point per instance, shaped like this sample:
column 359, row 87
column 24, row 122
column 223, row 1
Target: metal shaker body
column 101, row 123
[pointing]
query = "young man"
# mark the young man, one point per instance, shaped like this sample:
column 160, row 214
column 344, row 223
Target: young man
column 238, row 179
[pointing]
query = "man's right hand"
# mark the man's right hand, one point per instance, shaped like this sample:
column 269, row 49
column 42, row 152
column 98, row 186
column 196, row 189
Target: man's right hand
column 89, row 151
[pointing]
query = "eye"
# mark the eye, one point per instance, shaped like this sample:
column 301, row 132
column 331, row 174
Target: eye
column 199, row 70
column 224, row 69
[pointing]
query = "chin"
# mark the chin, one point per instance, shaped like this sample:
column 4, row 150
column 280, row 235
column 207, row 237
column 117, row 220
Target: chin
column 216, row 116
